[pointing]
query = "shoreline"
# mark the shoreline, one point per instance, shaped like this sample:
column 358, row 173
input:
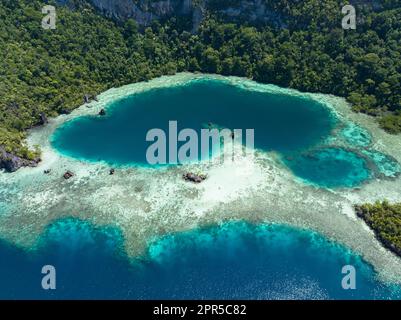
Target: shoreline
column 364, row 214
column 142, row 215
column 388, row 245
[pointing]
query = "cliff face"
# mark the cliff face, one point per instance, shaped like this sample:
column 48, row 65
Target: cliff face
column 145, row 11
column 142, row 11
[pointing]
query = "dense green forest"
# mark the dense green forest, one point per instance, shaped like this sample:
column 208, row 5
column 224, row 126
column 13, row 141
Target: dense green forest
column 385, row 220
column 49, row 71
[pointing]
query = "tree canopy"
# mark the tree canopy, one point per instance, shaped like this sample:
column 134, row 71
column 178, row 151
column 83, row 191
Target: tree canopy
column 49, row 71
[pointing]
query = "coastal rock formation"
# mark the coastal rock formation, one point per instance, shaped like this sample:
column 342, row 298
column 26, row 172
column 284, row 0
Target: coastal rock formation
column 11, row 163
column 89, row 98
column 68, row 175
column 42, row 119
column 192, row 177
column 86, row 98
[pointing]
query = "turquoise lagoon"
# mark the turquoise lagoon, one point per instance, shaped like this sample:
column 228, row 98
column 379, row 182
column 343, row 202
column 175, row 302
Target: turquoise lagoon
column 282, row 123
column 233, row 260
column 295, row 127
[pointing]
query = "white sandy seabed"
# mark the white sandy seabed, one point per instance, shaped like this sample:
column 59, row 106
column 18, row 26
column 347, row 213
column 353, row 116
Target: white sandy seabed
column 147, row 203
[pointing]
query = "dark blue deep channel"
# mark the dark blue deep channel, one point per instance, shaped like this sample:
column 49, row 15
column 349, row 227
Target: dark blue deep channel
column 233, row 261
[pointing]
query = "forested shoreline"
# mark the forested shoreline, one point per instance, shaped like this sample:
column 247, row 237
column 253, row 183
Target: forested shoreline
column 385, row 220
column 47, row 72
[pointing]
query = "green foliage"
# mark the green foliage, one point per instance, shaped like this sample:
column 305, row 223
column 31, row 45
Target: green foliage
column 391, row 123
column 49, row 71
column 385, row 220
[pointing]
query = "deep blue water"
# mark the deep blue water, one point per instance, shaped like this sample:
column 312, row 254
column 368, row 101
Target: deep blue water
column 233, row 261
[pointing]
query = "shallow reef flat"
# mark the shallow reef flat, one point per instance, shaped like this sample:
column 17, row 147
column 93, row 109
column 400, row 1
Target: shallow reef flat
column 147, row 203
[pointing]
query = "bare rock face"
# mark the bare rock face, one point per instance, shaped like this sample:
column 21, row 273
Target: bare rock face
column 145, row 11
column 142, row 11
column 11, row 163
column 88, row 98
column 123, row 9
column 42, row 119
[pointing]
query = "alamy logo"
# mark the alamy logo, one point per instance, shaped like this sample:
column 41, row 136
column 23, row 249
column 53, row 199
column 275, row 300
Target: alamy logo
column 49, row 21
column 49, row 280
column 213, row 142
column 349, row 21
column 349, row 280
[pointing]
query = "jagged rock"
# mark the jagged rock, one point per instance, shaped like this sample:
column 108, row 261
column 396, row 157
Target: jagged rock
column 11, row 163
column 68, row 175
column 102, row 112
column 87, row 98
column 42, row 119
column 192, row 177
